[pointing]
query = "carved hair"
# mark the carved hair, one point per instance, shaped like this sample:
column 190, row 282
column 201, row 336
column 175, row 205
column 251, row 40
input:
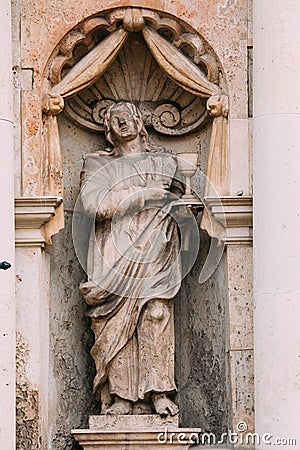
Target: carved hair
column 136, row 113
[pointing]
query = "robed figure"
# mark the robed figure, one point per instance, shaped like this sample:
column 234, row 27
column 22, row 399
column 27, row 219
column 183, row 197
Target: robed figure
column 134, row 267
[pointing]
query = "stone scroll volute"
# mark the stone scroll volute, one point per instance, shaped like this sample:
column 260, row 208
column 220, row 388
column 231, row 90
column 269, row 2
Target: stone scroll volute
column 94, row 66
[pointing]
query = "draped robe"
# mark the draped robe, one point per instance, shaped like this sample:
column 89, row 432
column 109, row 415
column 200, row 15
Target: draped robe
column 134, row 272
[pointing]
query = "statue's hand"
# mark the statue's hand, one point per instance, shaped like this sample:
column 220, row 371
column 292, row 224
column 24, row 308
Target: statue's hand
column 157, row 193
column 156, row 190
column 153, row 184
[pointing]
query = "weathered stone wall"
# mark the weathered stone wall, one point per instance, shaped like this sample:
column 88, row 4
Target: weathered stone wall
column 27, row 402
column 71, row 368
column 200, row 313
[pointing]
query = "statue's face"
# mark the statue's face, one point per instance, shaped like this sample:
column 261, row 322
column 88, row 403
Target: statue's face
column 123, row 124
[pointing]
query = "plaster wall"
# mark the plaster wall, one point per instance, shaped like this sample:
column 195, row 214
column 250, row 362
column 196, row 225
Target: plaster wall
column 7, row 295
column 276, row 135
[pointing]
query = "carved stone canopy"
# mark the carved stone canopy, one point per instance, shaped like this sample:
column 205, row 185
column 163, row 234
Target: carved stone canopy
column 142, row 56
column 135, row 75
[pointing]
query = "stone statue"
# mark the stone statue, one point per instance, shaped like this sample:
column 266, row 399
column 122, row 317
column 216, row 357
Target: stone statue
column 134, row 267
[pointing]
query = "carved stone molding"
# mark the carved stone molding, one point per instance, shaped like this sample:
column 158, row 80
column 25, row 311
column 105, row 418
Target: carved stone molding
column 138, row 439
column 31, row 215
column 136, row 432
column 235, row 215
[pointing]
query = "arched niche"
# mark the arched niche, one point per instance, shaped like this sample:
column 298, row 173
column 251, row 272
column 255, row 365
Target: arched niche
column 182, row 95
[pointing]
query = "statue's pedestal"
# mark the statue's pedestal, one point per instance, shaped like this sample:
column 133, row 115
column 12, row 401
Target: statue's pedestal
column 135, row 432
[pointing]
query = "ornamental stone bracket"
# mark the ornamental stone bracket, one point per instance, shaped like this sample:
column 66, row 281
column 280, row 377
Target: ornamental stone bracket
column 234, row 213
column 32, row 215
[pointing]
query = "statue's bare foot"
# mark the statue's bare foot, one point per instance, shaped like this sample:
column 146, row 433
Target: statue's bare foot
column 163, row 405
column 142, row 408
column 120, row 407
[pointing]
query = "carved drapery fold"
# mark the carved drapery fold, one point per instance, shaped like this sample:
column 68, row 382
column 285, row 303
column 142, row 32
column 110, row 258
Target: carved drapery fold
column 217, row 106
column 53, row 164
column 177, row 67
column 217, row 166
column 82, row 75
column 91, row 66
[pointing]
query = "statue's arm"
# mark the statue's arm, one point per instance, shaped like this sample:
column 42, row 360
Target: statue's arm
column 92, row 184
column 120, row 201
column 99, row 197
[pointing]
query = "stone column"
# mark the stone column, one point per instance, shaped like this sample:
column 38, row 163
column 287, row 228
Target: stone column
column 277, row 219
column 7, row 279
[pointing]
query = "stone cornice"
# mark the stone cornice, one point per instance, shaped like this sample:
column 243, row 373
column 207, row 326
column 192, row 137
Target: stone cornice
column 31, row 214
column 235, row 215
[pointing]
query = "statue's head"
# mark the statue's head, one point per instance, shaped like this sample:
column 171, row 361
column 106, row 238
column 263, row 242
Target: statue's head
column 123, row 122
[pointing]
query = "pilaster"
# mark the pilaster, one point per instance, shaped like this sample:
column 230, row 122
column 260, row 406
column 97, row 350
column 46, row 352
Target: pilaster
column 32, row 312
column 234, row 213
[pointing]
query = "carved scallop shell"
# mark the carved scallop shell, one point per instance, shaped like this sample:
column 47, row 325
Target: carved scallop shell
column 136, row 77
